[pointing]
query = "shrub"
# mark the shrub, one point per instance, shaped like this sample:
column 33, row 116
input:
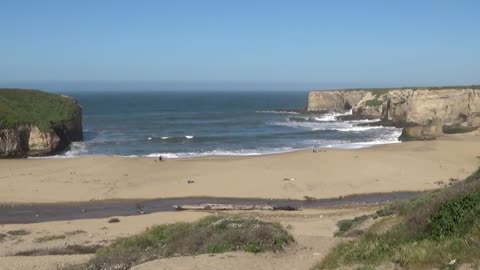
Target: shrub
column 47, row 238
column 20, row 232
column 373, row 102
column 66, row 250
column 346, row 225
column 214, row 234
column 429, row 231
column 455, row 217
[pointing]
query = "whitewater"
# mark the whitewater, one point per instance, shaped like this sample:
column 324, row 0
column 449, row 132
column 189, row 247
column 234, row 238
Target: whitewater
column 193, row 124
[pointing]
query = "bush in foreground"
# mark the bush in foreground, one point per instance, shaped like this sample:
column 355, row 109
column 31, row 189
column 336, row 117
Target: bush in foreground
column 440, row 229
column 213, row 234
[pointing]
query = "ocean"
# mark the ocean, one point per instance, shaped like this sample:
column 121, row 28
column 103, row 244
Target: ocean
column 191, row 124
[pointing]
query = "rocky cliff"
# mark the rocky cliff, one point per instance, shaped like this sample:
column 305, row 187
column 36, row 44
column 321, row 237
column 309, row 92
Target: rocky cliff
column 339, row 101
column 423, row 113
column 35, row 123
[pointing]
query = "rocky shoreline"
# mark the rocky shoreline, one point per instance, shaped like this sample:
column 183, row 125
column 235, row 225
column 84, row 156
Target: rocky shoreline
column 424, row 114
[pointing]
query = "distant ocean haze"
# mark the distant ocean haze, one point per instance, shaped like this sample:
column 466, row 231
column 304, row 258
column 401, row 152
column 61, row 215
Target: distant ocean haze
column 189, row 124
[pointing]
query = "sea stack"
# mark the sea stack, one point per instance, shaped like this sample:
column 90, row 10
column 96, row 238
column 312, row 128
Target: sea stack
column 37, row 123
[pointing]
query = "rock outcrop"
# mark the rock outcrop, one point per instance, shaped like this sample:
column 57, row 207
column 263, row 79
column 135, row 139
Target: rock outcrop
column 27, row 139
column 450, row 107
column 423, row 113
column 339, row 101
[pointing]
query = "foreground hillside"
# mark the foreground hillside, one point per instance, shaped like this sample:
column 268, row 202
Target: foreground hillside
column 34, row 123
column 440, row 229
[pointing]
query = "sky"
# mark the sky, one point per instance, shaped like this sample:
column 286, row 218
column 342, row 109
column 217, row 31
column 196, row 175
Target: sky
column 289, row 44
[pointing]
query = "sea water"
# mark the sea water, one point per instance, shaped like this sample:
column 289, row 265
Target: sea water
column 190, row 124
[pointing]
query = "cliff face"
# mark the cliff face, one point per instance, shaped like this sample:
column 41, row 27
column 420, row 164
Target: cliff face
column 450, row 107
column 27, row 139
column 424, row 114
column 339, row 101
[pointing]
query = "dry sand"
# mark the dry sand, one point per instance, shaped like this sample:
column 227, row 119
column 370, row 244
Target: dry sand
column 312, row 229
column 329, row 173
column 408, row 166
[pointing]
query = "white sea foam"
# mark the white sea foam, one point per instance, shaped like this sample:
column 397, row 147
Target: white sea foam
column 318, row 126
column 385, row 139
column 326, row 118
column 280, row 112
column 179, row 137
column 380, row 135
column 76, row 149
column 359, row 128
column 364, row 121
column 328, row 122
column 331, row 116
column 244, row 152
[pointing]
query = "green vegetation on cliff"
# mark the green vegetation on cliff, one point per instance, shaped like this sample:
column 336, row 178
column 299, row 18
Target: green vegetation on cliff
column 18, row 106
column 374, row 102
column 440, row 229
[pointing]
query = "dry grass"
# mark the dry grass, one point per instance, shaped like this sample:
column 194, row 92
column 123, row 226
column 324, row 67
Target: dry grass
column 18, row 232
column 67, row 250
column 76, row 232
column 48, row 238
column 2, row 237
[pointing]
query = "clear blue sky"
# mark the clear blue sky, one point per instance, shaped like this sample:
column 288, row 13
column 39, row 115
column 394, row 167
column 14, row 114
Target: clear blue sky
column 315, row 43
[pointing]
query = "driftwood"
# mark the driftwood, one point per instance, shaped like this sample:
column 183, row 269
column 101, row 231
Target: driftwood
column 224, row 207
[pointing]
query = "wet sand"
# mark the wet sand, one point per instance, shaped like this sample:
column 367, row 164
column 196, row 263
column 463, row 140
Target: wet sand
column 32, row 213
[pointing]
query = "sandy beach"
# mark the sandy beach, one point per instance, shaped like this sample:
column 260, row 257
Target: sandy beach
column 328, row 173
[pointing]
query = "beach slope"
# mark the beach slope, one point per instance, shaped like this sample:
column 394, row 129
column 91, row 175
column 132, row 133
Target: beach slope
column 328, row 173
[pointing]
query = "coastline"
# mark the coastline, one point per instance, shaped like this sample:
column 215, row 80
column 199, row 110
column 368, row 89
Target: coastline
column 328, row 173
column 228, row 154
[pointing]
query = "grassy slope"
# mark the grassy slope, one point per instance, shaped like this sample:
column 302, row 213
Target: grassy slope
column 33, row 107
column 430, row 231
column 213, row 234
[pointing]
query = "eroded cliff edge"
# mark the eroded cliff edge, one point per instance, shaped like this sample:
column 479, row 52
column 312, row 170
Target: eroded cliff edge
column 422, row 113
column 36, row 123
